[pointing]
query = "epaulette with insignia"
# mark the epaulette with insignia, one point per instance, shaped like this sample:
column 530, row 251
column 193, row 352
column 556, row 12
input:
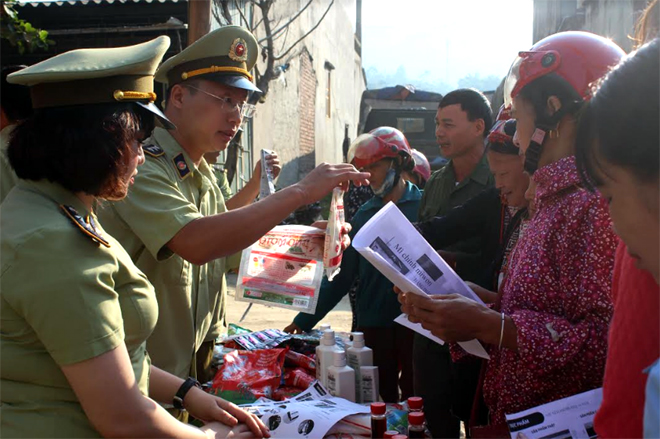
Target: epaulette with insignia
column 86, row 226
column 153, row 150
column 181, row 165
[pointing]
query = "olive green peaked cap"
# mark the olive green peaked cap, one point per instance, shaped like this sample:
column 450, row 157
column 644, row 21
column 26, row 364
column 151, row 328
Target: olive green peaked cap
column 226, row 55
column 95, row 76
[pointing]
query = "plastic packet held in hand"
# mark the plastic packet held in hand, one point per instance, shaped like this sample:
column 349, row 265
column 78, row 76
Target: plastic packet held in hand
column 266, row 187
column 284, row 269
column 332, row 249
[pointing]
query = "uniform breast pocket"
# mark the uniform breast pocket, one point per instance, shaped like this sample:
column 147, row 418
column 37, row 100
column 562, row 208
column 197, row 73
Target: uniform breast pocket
column 184, row 271
column 214, row 275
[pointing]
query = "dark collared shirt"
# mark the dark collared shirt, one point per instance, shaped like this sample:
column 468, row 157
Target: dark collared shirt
column 441, row 194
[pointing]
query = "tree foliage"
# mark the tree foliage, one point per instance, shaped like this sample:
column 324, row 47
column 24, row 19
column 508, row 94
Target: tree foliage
column 20, row 33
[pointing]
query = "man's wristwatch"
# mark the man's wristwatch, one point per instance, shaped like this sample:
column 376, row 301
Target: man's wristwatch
column 188, row 384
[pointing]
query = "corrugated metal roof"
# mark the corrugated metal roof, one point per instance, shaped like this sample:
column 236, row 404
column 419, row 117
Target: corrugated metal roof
column 86, row 2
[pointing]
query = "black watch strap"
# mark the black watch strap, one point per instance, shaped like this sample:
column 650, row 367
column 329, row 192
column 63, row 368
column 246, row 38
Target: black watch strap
column 188, row 384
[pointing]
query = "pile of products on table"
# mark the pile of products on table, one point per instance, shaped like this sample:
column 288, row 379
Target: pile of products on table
column 319, row 384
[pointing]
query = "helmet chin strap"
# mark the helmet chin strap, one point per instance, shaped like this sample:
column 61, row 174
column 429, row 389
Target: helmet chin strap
column 541, row 131
column 533, row 153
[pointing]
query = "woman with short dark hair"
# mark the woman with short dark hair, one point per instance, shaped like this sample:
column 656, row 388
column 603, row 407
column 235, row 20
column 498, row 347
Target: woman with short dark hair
column 75, row 311
column 84, row 149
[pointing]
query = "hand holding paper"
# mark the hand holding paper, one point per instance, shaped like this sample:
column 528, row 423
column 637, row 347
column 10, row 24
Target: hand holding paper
column 391, row 243
column 450, row 317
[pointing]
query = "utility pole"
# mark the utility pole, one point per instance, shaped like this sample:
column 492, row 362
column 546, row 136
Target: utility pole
column 199, row 19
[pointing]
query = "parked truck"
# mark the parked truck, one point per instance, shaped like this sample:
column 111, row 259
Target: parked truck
column 407, row 109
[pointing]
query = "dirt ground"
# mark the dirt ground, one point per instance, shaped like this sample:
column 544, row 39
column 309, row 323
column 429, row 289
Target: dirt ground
column 266, row 317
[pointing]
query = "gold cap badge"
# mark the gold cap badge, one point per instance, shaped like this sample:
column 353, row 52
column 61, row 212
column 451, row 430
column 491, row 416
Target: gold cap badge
column 238, row 50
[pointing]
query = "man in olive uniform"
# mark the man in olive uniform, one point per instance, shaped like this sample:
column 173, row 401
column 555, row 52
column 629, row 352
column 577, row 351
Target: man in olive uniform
column 223, row 182
column 175, row 224
column 463, row 120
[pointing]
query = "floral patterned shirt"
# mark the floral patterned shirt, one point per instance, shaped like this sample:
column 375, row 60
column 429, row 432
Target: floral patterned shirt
column 557, row 292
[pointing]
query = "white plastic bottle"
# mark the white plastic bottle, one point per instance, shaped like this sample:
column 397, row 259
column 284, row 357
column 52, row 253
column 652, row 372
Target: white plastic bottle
column 324, row 356
column 358, row 356
column 369, row 384
column 341, row 378
column 324, row 327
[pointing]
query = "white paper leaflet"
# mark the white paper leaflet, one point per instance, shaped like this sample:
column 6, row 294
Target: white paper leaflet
column 568, row 418
column 311, row 414
column 403, row 320
column 392, row 244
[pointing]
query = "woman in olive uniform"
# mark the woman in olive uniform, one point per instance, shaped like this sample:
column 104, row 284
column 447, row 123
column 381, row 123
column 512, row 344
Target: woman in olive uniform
column 75, row 311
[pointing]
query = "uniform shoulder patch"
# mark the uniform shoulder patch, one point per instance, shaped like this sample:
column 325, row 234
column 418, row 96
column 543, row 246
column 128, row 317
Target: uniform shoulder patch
column 86, row 226
column 153, row 150
column 181, row 165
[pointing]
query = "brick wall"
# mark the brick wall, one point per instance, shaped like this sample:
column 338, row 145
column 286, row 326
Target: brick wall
column 307, row 105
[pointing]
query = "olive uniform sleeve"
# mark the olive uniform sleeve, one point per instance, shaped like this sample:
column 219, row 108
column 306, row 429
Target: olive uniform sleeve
column 63, row 289
column 155, row 209
column 223, row 184
column 219, row 312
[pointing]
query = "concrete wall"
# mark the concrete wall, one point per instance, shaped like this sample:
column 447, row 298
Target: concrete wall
column 613, row 19
column 335, row 44
column 293, row 119
column 550, row 15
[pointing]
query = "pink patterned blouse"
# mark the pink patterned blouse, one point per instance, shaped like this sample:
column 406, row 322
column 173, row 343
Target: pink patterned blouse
column 557, row 292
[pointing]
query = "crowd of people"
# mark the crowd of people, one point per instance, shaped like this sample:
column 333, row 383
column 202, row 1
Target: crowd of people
column 116, row 234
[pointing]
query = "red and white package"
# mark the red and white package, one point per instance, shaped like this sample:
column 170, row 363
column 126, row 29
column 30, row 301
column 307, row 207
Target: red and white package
column 332, row 250
column 284, row 268
column 299, row 378
column 246, row 376
column 300, row 360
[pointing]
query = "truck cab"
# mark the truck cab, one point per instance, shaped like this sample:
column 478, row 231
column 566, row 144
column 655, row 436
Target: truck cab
column 410, row 111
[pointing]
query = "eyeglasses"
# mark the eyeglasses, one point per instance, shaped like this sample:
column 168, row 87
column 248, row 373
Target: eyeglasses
column 244, row 109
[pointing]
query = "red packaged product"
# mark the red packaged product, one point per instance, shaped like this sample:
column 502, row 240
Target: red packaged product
column 248, row 375
column 299, row 378
column 295, row 359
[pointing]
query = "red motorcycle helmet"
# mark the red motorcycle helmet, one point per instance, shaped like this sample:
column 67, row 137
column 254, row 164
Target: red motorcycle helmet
column 579, row 58
column 422, row 166
column 377, row 144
